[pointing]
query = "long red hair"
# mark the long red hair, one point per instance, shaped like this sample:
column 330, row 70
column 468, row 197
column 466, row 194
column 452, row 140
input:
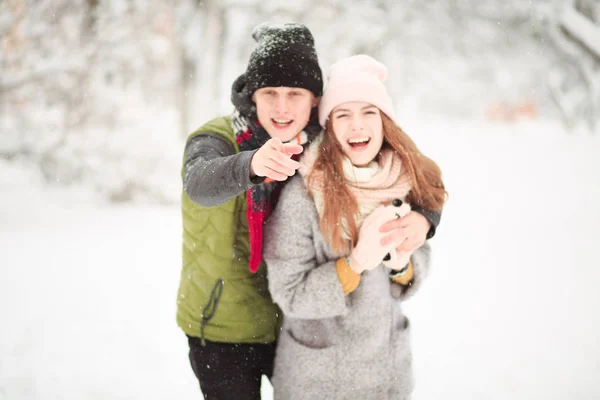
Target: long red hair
column 427, row 191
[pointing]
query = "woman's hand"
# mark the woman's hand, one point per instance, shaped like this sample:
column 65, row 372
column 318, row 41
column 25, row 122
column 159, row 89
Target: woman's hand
column 370, row 249
column 410, row 230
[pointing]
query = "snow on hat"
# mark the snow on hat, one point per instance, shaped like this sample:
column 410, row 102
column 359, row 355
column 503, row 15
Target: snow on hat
column 285, row 56
column 356, row 78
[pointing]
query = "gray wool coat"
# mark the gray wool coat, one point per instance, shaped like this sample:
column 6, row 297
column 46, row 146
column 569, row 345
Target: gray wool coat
column 334, row 346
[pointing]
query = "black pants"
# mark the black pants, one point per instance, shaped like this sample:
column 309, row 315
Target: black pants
column 228, row 371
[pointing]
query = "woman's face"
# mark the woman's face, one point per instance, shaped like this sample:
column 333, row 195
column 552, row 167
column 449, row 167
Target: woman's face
column 359, row 129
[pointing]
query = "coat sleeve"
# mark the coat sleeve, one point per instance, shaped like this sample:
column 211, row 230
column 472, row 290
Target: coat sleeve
column 421, row 260
column 301, row 286
column 432, row 216
column 213, row 173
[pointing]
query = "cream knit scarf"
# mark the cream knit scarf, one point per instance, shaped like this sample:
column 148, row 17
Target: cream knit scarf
column 380, row 182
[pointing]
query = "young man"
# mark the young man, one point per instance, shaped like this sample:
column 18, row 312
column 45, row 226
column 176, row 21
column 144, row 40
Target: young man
column 234, row 168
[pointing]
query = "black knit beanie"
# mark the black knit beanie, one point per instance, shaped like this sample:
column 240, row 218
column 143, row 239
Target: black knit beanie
column 285, row 56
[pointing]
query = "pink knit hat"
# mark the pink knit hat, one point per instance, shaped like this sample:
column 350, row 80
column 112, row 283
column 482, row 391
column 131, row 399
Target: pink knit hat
column 356, row 78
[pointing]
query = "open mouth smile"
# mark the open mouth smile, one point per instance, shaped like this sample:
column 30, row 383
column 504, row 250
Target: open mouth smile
column 282, row 123
column 359, row 143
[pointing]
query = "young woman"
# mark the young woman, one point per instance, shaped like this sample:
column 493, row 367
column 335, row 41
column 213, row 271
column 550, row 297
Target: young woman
column 344, row 335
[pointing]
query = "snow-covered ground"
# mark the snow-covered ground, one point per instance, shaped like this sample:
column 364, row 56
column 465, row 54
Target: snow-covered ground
column 87, row 292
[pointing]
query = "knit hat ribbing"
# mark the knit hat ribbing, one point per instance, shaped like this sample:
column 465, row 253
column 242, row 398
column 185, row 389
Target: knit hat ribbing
column 356, row 78
column 284, row 56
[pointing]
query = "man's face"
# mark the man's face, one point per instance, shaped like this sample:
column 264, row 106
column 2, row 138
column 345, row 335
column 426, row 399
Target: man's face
column 283, row 111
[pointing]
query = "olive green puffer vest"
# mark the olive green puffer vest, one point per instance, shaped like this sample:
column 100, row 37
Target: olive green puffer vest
column 219, row 298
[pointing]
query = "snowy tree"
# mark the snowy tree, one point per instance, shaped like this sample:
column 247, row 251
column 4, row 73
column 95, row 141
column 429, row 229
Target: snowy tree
column 575, row 80
column 104, row 93
column 79, row 85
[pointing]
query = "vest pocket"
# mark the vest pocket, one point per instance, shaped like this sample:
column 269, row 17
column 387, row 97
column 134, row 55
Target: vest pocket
column 211, row 307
